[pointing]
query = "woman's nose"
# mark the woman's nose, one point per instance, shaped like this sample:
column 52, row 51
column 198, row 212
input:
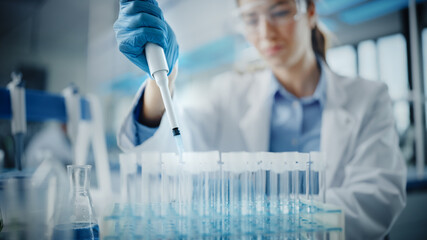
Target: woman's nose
column 266, row 29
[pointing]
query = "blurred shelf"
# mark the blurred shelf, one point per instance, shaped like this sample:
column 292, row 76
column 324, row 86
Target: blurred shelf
column 41, row 106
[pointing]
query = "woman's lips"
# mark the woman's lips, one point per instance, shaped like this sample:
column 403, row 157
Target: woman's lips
column 271, row 51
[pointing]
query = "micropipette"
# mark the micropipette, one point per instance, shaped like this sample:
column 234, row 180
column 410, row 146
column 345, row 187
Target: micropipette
column 158, row 70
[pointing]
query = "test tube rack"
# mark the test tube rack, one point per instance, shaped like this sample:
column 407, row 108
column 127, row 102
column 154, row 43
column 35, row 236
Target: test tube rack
column 236, row 195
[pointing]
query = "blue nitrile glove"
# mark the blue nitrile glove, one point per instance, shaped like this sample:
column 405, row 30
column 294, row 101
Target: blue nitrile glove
column 140, row 22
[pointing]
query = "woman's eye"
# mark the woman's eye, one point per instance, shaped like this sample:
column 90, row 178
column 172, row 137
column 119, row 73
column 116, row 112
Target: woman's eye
column 280, row 14
column 250, row 21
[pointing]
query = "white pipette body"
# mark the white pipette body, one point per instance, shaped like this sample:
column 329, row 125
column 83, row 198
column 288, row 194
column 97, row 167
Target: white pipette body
column 159, row 69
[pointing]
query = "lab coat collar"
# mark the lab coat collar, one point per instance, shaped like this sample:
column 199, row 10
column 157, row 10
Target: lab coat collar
column 335, row 92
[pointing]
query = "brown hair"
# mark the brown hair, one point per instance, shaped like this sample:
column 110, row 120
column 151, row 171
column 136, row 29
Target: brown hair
column 318, row 38
column 318, row 42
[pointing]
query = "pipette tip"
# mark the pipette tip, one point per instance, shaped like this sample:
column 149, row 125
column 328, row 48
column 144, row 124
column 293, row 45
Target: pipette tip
column 178, row 141
column 175, row 131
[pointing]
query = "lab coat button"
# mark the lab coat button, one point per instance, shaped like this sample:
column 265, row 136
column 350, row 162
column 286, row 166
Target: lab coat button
column 295, row 104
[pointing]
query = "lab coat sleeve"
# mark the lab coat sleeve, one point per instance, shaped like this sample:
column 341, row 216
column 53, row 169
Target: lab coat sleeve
column 373, row 191
column 142, row 132
column 133, row 136
column 198, row 124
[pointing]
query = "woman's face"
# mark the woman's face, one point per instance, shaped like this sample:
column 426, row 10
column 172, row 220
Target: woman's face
column 271, row 26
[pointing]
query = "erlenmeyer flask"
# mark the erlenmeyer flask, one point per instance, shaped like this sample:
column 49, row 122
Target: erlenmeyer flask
column 78, row 220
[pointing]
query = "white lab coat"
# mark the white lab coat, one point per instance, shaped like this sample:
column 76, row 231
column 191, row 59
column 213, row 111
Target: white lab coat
column 365, row 175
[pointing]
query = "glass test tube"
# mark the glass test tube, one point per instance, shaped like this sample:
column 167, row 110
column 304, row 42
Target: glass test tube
column 277, row 180
column 248, row 182
column 260, row 180
column 231, row 171
column 303, row 159
column 285, row 181
column 169, row 177
column 295, row 179
column 318, row 181
column 308, row 180
column 150, row 182
column 150, row 167
column 128, row 176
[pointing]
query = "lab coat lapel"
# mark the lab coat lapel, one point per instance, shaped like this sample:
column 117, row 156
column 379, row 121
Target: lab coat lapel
column 255, row 122
column 337, row 125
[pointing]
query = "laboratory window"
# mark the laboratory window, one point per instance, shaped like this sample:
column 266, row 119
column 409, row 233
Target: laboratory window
column 385, row 59
column 368, row 60
column 342, row 60
column 393, row 70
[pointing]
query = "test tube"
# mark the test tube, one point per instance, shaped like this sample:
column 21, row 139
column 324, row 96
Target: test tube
column 285, row 183
column 232, row 167
column 249, row 193
column 188, row 176
column 204, row 166
column 169, row 177
column 128, row 175
column 318, row 181
column 303, row 159
column 150, row 177
column 274, row 168
column 261, row 181
column 293, row 156
column 212, row 167
column 308, row 179
column 225, row 190
column 314, row 180
column 225, row 183
column 279, row 183
column 210, row 172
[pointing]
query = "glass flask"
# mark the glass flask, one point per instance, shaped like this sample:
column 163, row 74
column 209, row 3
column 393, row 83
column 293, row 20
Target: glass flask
column 78, row 220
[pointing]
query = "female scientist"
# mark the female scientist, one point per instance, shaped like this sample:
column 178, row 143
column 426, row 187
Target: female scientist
column 298, row 104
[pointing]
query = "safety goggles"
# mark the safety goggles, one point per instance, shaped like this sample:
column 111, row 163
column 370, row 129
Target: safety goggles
column 252, row 15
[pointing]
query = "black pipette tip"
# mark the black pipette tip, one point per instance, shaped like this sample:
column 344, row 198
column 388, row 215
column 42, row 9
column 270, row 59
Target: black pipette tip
column 175, row 132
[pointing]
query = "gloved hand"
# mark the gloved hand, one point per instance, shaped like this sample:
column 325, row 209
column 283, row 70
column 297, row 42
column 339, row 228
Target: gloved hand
column 139, row 22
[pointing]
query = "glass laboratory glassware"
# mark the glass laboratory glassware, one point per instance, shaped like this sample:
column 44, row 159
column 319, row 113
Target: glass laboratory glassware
column 317, row 183
column 78, row 220
column 30, row 199
column 128, row 177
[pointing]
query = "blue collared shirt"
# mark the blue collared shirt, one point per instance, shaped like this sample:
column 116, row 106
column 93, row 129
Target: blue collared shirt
column 296, row 122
